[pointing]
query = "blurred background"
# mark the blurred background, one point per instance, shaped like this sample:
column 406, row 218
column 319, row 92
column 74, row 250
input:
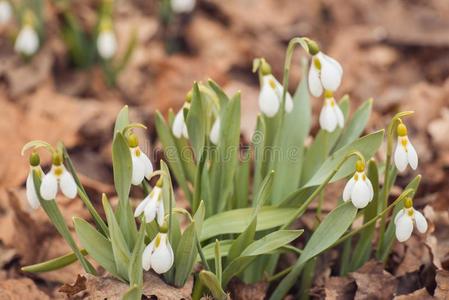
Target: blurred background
column 395, row 51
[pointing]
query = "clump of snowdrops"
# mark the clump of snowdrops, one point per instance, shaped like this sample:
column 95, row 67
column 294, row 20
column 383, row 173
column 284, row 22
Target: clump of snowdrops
column 244, row 199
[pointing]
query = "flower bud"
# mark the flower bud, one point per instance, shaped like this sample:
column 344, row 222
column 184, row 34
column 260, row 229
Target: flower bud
column 34, row 159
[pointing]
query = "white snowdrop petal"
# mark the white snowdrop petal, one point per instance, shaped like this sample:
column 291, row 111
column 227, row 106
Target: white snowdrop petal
column 412, row 156
column 150, row 210
column 400, row 157
column 178, row 124
column 404, row 228
column 162, row 258
column 68, row 184
column 185, row 132
column 370, row 188
column 339, row 115
column 148, row 166
column 334, row 62
column 107, row 44
column 330, row 73
column 399, row 215
column 182, row 6
column 138, row 172
column 268, row 99
column 49, row 186
column 160, row 213
column 140, row 208
column 146, row 256
column 27, row 41
column 288, row 103
column 421, row 222
column 214, row 135
column 328, row 119
column 360, row 194
column 348, row 189
column 315, row 87
column 33, row 200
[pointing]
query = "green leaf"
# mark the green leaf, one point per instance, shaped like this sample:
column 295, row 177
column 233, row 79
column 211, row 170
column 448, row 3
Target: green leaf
column 241, row 182
column 258, row 141
column 133, row 293
column 269, row 243
column 185, row 256
column 55, row 216
column 97, row 246
column 119, row 247
column 122, row 119
column 222, row 97
column 226, row 156
column 322, row 145
column 328, row 232
column 235, row 221
column 290, row 145
column 209, row 250
column 196, row 122
column 122, row 167
column 172, row 153
column 211, row 282
column 199, row 218
column 135, row 271
column 217, row 259
column 242, row 241
column 357, row 124
column 53, row 264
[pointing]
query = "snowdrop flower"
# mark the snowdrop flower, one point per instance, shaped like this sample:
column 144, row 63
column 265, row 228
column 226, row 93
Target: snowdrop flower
column 142, row 166
column 405, row 153
column 215, row 132
column 32, row 198
column 5, row 11
column 406, row 218
column 359, row 188
column 106, row 41
column 182, row 6
column 331, row 115
column 58, row 175
column 325, row 73
column 179, row 127
column 270, row 96
column 158, row 255
column 27, row 42
column 152, row 206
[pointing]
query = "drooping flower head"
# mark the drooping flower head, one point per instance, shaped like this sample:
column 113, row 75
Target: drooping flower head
column 142, row 166
column 179, row 127
column 106, row 40
column 35, row 168
column 406, row 219
column 158, row 255
column 27, row 41
column 270, row 96
column 359, row 188
column 182, row 6
column 153, row 205
column 5, row 11
column 325, row 73
column 405, row 154
column 58, row 176
column 331, row 115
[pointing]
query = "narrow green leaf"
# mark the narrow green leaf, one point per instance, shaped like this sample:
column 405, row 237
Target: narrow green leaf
column 209, row 250
column 53, row 264
column 211, row 282
column 241, row 182
column 135, row 271
column 235, row 221
column 242, row 241
column 122, row 167
column 185, row 256
column 196, row 122
column 133, row 293
column 357, row 124
column 218, row 264
column 258, row 141
column 122, row 119
column 119, row 247
column 199, row 218
column 222, row 97
column 328, row 232
column 97, row 246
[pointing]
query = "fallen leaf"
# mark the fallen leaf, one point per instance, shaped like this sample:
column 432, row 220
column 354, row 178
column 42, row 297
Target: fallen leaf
column 18, row 289
column 72, row 289
column 340, row 288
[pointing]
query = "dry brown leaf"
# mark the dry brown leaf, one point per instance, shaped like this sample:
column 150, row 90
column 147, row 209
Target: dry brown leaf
column 242, row 291
column 420, row 294
column 110, row 288
column 373, row 282
column 442, row 289
column 340, row 288
column 72, row 289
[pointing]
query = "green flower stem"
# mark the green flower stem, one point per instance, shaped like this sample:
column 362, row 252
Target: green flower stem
column 321, row 199
column 387, row 184
column 279, row 274
column 315, row 193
